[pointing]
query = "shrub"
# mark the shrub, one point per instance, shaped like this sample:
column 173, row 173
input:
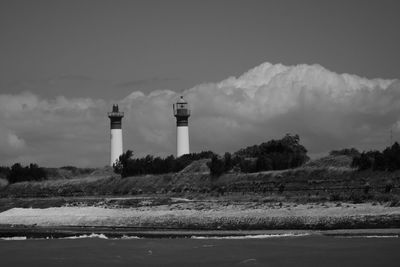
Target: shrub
column 4, row 171
column 18, row 173
column 247, row 165
column 128, row 166
column 228, row 162
column 216, row 165
column 367, row 188
column 279, row 154
column 389, row 159
column 388, row 187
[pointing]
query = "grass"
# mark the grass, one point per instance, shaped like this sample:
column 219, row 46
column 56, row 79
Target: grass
column 315, row 182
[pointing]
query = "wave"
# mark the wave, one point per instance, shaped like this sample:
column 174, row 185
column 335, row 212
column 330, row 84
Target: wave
column 14, row 238
column 101, row 236
column 252, row 236
column 93, row 235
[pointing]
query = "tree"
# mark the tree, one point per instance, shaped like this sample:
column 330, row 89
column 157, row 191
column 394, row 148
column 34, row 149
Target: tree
column 263, row 163
column 122, row 164
column 392, row 157
column 275, row 154
column 389, row 159
column 216, row 166
column 228, row 163
column 18, row 173
column 364, row 161
column 127, row 166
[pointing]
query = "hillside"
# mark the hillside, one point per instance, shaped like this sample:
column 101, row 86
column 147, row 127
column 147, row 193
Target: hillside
column 329, row 178
column 338, row 161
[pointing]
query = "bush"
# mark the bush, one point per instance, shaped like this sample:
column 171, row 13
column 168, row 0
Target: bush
column 279, row 154
column 128, row 166
column 18, row 173
column 388, row 160
column 4, row 171
column 388, row 187
column 273, row 155
column 216, row 165
column 247, row 165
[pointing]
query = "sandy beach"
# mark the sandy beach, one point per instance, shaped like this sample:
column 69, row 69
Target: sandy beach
column 208, row 216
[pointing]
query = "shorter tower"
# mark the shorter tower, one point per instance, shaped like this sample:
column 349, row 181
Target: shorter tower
column 182, row 113
column 116, row 133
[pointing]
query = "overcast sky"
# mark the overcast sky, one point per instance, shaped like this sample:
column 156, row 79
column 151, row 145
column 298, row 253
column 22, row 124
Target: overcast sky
column 63, row 64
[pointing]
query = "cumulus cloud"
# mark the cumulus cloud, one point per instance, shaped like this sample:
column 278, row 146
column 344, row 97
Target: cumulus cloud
column 328, row 110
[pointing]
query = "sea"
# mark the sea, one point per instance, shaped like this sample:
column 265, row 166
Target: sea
column 257, row 250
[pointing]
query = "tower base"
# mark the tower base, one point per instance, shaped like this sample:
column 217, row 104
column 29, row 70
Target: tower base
column 116, row 145
column 182, row 140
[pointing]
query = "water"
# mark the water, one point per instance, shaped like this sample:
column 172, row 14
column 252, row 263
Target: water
column 261, row 251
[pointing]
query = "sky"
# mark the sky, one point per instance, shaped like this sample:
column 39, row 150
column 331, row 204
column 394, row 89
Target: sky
column 251, row 71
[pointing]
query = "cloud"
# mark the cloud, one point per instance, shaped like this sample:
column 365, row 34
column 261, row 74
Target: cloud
column 328, row 110
column 52, row 132
column 14, row 141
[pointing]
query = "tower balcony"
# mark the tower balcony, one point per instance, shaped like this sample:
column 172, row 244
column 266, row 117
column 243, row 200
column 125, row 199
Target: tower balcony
column 115, row 114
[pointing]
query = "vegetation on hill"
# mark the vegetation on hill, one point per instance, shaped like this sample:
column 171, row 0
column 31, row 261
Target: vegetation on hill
column 351, row 152
column 281, row 154
column 300, row 185
column 331, row 162
column 234, row 175
column 128, row 166
column 387, row 160
column 19, row 173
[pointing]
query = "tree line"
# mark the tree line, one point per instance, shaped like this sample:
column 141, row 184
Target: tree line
column 387, row 160
column 278, row 154
column 128, row 166
column 18, row 173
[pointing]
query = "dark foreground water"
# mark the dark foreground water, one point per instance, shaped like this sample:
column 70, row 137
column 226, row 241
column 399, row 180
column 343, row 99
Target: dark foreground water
column 282, row 251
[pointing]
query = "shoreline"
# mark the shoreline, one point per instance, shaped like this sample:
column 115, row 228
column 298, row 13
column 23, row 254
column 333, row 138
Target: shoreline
column 201, row 218
column 41, row 232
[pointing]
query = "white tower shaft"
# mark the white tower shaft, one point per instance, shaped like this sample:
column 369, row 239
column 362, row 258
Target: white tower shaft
column 182, row 140
column 116, row 134
column 116, row 145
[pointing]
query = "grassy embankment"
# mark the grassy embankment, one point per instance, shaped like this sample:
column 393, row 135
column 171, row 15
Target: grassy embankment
column 326, row 179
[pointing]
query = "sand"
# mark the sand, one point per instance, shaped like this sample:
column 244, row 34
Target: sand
column 212, row 215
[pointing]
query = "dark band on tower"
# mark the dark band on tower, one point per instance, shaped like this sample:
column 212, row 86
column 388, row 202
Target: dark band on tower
column 115, row 118
column 181, row 112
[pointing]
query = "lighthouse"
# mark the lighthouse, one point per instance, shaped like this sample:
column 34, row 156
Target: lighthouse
column 116, row 133
column 182, row 113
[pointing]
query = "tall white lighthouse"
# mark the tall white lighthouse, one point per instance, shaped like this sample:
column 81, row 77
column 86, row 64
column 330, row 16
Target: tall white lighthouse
column 182, row 113
column 116, row 133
